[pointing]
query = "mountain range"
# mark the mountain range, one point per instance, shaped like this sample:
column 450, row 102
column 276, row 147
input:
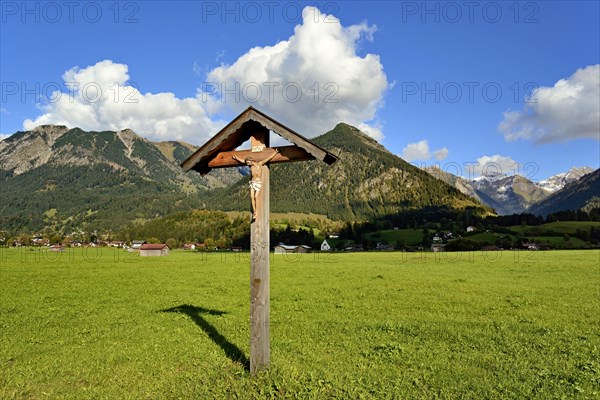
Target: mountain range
column 559, row 181
column 512, row 194
column 366, row 183
column 58, row 179
column 583, row 193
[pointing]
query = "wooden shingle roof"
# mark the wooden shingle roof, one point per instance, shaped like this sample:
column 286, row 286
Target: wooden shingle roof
column 216, row 151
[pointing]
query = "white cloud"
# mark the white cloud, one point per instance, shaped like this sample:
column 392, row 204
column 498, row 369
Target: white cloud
column 441, row 154
column 318, row 64
column 99, row 99
column 3, row 136
column 568, row 110
column 416, row 151
column 372, row 131
column 492, row 165
column 311, row 81
column 420, row 151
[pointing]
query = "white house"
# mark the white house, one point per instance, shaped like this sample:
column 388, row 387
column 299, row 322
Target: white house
column 471, row 229
column 325, row 246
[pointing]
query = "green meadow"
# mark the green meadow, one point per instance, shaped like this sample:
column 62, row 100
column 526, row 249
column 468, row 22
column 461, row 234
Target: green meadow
column 569, row 227
column 391, row 236
column 106, row 324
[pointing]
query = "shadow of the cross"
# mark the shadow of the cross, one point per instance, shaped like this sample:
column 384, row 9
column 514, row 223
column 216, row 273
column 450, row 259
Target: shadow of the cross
column 195, row 313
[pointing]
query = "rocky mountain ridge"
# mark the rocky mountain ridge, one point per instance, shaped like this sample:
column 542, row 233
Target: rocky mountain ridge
column 60, row 178
column 510, row 194
column 366, row 183
column 583, row 193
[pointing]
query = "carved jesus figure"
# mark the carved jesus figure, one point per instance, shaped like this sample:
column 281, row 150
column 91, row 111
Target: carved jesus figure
column 256, row 175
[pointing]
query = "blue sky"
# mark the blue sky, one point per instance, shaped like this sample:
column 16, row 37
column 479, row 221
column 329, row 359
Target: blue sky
column 511, row 85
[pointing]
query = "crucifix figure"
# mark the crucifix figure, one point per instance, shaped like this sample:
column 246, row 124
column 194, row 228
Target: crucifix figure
column 256, row 174
column 221, row 152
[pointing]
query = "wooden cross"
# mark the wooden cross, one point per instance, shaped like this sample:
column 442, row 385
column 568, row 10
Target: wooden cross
column 219, row 152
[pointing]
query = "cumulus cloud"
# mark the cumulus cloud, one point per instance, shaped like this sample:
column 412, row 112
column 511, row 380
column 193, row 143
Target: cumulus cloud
column 3, row 136
column 568, row 110
column 492, row 165
column 311, row 81
column 100, row 98
column 416, row 151
column 373, row 131
column 420, row 151
column 441, row 154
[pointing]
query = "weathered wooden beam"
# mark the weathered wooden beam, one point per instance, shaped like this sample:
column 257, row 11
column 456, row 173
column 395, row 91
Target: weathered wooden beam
column 260, row 352
column 286, row 154
column 236, row 132
column 229, row 141
column 228, row 134
column 291, row 135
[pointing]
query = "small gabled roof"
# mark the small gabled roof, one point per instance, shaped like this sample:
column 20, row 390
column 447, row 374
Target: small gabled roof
column 240, row 130
column 292, row 246
column 287, row 246
column 154, row 246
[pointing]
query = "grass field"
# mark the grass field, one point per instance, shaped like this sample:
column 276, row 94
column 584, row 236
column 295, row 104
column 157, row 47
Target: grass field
column 558, row 241
column 489, row 237
column 106, row 325
column 409, row 237
column 569, row 227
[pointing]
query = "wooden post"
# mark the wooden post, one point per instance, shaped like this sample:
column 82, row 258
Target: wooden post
column 260, row 352
column 220, row 151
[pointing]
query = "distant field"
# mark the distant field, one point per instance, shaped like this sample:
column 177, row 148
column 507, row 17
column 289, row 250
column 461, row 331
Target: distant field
column 104, row 324
column 569, row 227
column 488, row 237
column 410, row 237
column 558, row 241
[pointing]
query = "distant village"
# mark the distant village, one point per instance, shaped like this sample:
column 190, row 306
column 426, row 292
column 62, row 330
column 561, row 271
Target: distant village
column 433, row 242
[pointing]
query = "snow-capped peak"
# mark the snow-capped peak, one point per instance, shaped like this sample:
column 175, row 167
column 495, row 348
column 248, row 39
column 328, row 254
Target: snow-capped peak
column 558, row 181
column 490, row 177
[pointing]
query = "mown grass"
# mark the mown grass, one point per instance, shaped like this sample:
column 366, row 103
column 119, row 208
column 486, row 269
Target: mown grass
column 395, row 325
